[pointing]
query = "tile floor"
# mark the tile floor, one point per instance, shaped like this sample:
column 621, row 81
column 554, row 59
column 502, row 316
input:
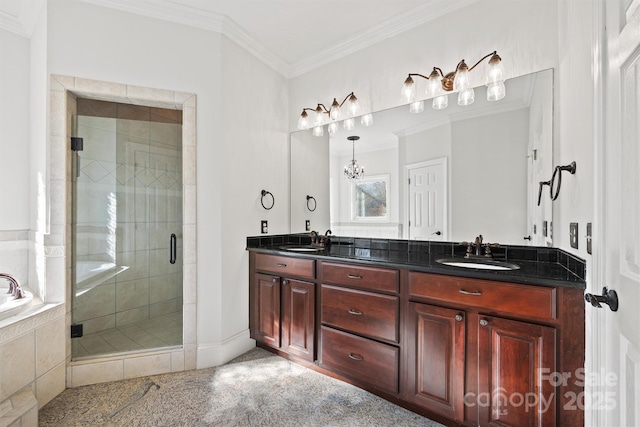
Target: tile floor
column 163, row 331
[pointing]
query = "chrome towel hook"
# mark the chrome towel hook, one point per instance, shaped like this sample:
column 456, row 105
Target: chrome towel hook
column 571, row 168
column 315, row 204
column 264, row 193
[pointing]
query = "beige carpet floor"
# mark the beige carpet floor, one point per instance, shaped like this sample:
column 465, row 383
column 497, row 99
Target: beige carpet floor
column 256, row 389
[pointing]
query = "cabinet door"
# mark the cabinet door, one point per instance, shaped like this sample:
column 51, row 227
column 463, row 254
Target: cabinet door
column 436, row 346
column 267, row 316
column 516, row 372
column 298, row 319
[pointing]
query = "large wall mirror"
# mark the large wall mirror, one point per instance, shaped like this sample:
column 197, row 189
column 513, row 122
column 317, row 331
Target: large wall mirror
column 445, row 175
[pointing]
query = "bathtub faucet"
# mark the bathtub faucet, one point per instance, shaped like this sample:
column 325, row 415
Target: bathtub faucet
column 14, row 286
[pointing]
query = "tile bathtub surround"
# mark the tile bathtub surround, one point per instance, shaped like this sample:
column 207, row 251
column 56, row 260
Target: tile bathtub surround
column 403, row 250
column 32, row 364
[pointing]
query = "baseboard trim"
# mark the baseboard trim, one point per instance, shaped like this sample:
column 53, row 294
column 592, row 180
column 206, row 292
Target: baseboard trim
column 217, row 354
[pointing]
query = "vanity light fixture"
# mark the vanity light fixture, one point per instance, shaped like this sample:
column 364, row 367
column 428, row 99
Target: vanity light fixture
column 334, row 113
column 439, row 84
column 353, row 171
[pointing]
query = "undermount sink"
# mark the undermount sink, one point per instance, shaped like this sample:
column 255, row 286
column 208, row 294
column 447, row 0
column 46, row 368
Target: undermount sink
column 301, row 248
column 481, row 264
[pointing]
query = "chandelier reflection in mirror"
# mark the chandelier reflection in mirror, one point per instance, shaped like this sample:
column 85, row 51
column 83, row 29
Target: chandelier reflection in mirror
column 334, row 113
column 353, row 171
column 439, row 84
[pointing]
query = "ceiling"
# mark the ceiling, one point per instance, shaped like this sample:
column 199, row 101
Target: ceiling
column 292, row 36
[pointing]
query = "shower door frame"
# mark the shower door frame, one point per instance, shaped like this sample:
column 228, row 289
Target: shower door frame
column 64, row 90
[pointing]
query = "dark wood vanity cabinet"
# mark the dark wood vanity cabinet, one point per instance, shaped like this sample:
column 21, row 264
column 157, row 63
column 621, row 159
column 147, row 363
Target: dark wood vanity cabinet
column 436, row 350
column 463, row 351
column 283, row 308
column 482, row 352
column 360, row 317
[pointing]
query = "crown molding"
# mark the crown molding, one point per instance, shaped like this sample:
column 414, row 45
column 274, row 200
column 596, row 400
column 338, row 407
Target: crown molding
column 172, row 11
column 24, row 21
column 387, row 29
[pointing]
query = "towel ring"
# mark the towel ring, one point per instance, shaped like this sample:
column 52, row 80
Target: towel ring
column 542, row 184
column 273, row 199
column 315, row 204
column 558, row 173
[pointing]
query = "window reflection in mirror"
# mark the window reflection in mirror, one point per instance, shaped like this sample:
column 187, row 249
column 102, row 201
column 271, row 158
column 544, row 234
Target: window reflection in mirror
column 497, row 154
column 370, row 198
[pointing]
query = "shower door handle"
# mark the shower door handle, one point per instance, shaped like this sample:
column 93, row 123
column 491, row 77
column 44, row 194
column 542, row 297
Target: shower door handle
column 172, row 249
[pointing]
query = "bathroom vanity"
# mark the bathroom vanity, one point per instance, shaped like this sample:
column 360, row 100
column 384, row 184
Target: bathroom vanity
column 463, row 346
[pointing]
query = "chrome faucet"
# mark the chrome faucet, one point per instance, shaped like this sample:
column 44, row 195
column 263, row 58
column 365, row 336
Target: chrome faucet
column 314, row 237
column 325, row 239
column 14, row 286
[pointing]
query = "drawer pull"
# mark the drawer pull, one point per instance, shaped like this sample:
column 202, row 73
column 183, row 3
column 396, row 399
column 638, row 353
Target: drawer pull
column 483, row 322
column 357, row 357
column 281, row 264
column 354, row 276
column 475, row 293
column 458, row 317
column 355, row 312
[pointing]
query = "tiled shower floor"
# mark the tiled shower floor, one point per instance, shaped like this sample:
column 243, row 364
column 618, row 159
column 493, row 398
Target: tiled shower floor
column 163, row 331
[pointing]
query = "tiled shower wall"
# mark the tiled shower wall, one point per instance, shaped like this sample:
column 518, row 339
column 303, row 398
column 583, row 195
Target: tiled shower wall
column 129, row 202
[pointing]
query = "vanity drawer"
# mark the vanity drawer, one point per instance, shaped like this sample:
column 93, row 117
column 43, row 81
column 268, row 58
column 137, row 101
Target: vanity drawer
column 372, row 278
column 365, row 313
column 286, row 266
column 526, row 300
column 368, row 361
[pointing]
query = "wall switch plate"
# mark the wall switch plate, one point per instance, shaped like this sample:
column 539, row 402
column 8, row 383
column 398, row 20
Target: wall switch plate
column 264, row 228
column 588, row 236
column 545, row 230
column 573, row 235
column 307, row 225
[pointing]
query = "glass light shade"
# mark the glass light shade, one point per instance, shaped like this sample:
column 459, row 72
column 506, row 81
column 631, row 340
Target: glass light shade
column 317, row 119
column 466, row 97
column 461, row 80
column 303, row 121
column 348, row 124
column 434, row 85
column 440, row 102
column 354, row 105
column 416, row 107
column 409, row 90
column 332, row 128
column 496, row 72
column 496, row 91
column 335, row 111
column 318, row 131
column 366, row 120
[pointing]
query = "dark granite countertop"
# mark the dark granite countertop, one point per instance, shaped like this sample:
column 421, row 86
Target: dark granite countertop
column 538, row 266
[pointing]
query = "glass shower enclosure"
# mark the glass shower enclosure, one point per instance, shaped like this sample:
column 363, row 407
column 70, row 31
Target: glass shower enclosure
column 127, row 228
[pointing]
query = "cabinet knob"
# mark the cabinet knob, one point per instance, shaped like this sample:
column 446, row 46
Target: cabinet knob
column 458, row 317
column 284, row 281
column 274, row 280
column 484, row 322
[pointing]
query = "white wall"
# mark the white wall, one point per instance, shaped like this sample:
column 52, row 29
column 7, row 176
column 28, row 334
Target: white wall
column 14, row 131
column 253, row 151
column 574, row 136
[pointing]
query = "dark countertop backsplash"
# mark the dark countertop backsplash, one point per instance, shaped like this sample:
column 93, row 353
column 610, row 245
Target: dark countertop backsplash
column 538, row 265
